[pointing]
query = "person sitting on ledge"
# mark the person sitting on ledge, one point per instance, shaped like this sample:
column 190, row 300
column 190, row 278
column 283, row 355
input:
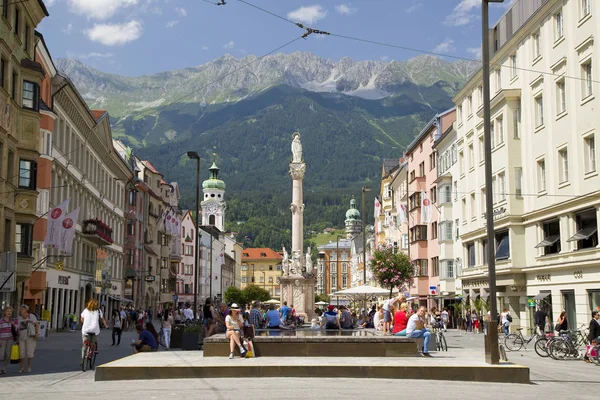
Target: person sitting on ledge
column 234, row 323
column 274, row 320
column 416, row 329
column 146, row 341
column 345, row 318
column 331, row 318
column 400, row 320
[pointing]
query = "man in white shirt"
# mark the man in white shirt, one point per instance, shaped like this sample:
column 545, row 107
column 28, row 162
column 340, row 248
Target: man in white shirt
column 188, row 313
column 416, row 329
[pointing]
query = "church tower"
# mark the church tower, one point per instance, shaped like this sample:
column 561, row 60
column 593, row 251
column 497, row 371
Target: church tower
column 353, row 221
column 213, row 202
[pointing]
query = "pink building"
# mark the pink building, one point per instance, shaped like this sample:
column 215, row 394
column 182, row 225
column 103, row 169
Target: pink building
column 185, row 275
column 424, row 249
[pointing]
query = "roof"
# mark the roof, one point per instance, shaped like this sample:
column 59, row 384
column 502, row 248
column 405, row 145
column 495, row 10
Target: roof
column 151, row 167
column 257, row 254
column 44, row 9
column 344, row 244
column 98, row 114
column 389, row 164
column 432, row 123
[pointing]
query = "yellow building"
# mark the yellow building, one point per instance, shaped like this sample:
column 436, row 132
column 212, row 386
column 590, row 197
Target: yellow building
column 20, row 82
column 262, row 266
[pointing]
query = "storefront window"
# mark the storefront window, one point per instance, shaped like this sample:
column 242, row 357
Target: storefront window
column 594, row 300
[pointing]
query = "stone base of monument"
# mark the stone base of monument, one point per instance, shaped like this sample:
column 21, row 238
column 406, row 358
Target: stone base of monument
column 318, row 343
column 192, row 364
column 300, row 292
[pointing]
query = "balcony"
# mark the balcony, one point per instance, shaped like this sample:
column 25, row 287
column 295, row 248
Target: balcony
column 97, row 232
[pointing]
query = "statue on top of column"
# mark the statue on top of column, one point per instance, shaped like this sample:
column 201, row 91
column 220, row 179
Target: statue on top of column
column 296, row 148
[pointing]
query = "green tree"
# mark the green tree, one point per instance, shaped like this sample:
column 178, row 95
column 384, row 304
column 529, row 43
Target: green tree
column 253, row 292
column 321, row 297
column 234, row 294
column 391, row 269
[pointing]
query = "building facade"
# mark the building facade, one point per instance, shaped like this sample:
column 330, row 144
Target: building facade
column 20, row 122
column 543, row 125
column 423, row 229
column 262, row 267
column 185, row 277
column 334, row 266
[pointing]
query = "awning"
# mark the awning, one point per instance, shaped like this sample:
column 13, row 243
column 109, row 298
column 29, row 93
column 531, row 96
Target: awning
column 583, row 234
column 549, row 241
column 149, row 250
column 120, row 299
column 485, row 295
column 541, row 295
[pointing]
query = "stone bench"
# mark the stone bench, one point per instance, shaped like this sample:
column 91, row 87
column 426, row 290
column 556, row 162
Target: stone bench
column 358, row 343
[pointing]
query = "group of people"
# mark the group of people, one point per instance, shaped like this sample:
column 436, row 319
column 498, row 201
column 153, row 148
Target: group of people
column 23, row 331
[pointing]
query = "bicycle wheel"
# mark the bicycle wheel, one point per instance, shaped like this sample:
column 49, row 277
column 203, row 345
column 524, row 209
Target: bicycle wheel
column 438, row 342
column 444, row 343
column 541, row 347
column 161, row 339
column 559, row 350
column 92, row 360
column 513, row 342
column 84, row 357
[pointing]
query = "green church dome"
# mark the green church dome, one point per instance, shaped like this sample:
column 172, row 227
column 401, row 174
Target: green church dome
column 213, row 182
column 353, row 213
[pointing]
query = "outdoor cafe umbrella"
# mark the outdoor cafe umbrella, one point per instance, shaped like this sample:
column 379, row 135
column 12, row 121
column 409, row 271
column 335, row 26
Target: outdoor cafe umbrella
column 321, row 303
column 272, row 301
column 363, row 293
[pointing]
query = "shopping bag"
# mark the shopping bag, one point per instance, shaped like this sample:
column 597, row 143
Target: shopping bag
column 15, row 354
column 250, row 347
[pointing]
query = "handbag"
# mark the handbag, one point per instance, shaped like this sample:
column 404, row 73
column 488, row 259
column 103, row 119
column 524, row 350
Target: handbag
column 31, row 328
column 557, row 327
column 15, row 354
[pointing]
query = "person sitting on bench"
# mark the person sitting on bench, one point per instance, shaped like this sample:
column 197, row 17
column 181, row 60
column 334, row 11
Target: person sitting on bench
column 274, row 320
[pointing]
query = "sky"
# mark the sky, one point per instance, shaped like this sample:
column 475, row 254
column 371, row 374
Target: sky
column 139, row 37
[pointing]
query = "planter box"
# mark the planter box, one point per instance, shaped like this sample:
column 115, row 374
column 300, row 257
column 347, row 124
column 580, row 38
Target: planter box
column 189, row 341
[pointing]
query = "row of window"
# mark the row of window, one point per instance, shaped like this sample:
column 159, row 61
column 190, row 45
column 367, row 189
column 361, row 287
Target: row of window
column 421, row 267
column 261, row 279
column 246, row 267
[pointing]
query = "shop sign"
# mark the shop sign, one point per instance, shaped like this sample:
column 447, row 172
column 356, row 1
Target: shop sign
column 531, row 303
column 150, row 278
column 63, row 280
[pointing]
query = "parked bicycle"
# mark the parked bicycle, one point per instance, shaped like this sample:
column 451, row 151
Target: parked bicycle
column 569, row 345
column 440, row 339
column 516, row 341
column 88, row 358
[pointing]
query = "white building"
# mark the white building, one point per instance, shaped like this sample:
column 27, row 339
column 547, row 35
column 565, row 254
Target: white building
column 546, row 199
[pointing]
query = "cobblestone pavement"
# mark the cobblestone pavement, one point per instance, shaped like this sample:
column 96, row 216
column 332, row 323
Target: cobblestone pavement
column 57, row 376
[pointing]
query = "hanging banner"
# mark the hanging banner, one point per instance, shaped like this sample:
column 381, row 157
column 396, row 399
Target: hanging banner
column 425, row 209
column 68, row 226
column 402, row 214
column 54, row 228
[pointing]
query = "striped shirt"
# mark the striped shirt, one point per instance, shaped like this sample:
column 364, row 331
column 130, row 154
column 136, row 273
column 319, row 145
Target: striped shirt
column 5, row 331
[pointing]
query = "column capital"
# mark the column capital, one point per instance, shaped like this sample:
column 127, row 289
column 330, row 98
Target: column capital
column 297, row 170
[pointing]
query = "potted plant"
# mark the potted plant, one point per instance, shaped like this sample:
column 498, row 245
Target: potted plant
column 191, row 337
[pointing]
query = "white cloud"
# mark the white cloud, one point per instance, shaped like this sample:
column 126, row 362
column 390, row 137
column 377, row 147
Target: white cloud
column 463, row 13
column 171, row 24
column 49, row 3
column 99, row 9
column 384, row 58
column 204, row 48
column 414, row 7
column 229, row 45
column 90, row 55
column 181, row 11
column 308, row 15
column 447, row 46
column 68, row 29
column 345, row 9
column 475, row 51
column 115, row 34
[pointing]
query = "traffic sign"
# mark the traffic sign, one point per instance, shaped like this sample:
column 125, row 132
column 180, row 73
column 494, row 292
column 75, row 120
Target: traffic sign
column 8, row 281
column 432, row 290
column 150, row 278
column 175, row 297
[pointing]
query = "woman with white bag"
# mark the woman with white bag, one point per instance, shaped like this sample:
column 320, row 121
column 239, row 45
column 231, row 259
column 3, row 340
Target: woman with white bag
column 29, row 329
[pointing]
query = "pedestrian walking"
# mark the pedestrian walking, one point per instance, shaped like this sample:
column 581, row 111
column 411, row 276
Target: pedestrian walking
column 29, row 329
column 8, row 335
column 117, row 327
column 167, row 323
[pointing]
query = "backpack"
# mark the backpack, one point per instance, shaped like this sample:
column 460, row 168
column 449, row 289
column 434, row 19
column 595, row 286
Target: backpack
column 508, row 318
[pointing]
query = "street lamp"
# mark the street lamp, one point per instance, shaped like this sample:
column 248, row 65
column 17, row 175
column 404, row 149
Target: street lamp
column 364, row 233
column 492, row 355
column 194, row 156
column 338, row 269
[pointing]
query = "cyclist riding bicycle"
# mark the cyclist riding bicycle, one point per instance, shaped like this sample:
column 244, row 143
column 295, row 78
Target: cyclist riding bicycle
column 91, row 318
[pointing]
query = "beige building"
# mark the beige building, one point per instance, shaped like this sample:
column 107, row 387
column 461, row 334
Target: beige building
column 262, row 267
column 545, row 180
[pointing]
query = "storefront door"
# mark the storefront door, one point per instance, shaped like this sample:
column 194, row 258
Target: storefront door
column 569, row 307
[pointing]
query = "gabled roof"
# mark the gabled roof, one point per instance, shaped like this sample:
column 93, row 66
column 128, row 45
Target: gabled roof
column 389, row 164
column 98, row 114
column 151, row 167
column 344, row 244
column 260, row 253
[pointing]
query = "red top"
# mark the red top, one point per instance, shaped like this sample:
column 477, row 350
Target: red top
column 400, row 321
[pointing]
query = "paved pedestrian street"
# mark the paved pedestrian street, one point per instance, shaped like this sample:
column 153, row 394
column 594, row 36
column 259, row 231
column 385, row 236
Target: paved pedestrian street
column 56, row 375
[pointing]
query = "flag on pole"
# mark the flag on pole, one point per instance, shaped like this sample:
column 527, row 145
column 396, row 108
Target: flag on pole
column 402, row 218
column 53, row 230
column 161, row 222
column 168, row 225
column 67, row 235
column 222, row 257
column 425, row 209
column 376, row 215
column 175, row 225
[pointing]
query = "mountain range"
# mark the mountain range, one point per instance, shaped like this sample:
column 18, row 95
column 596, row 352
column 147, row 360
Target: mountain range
column 351, row 114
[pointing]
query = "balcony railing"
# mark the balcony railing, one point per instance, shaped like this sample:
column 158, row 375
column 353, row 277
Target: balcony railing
column 97, row 231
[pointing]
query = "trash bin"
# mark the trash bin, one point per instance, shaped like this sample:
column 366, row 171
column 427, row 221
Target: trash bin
column 176, row 334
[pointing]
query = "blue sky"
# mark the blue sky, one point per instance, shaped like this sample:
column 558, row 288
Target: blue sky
column 137, row 37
